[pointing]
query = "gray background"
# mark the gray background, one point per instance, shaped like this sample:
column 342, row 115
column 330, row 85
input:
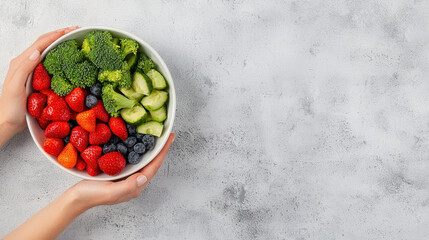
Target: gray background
column 295, row 120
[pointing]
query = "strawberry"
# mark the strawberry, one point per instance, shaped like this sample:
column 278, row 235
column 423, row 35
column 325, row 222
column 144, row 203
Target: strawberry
column 101, row 135
column 100, row 111
column 35, row 104
column 68, row 156
column 51, row 95
column 92, row 171
column 43, row 123
column 79, row 138
column 53, row 146
column 76, row 99
column 91, row 154
column 112, row 163
column 57, row 130
column 41, row 79
column 118, row 127
column 80, row 163
column 57, row 111
column 87, row 120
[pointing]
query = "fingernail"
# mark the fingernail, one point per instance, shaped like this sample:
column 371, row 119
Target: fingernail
column 141, row 180
column 34, row 55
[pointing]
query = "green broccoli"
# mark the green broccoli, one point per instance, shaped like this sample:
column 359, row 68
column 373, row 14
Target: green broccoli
column 128, row 46
column 63, row 57
column 100, row 49
column 83, row 74
column 121, row 76
column 114, row 101
column 60, row 85
column 145, row 63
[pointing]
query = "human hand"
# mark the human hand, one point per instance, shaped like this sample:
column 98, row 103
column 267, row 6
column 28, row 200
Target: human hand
column 93, row 193
column 13, row 98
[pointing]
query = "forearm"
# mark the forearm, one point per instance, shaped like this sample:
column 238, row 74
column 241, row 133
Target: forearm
column 6, row 132
column 52, row 220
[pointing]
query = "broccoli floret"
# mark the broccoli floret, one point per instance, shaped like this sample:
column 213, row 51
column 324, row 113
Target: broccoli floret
column 122, row 76
column 128, row 46
column 83, row 74
column 100, row 49
column 145, row 63
column 60, row 85
column 63, row 57
column 114, row 101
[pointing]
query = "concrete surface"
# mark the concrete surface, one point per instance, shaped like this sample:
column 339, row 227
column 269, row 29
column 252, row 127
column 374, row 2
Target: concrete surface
column 295, row 120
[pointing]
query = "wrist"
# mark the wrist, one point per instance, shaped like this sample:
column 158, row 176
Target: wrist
column 77, row 201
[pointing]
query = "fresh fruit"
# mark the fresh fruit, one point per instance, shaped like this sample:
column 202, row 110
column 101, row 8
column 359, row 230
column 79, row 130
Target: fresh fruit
column 96, row 89
column 80, row 164
column 133, row 158
column 35, row 104
column 91, row 154
column 120, row 147
column 132, row 130
column 87, row 120
column 41, row 79
column 139, row 148
column 91, row 101
column 56, row 111
column 53, row 146
column 139, row 136
column 148, row 141
column 51, row 95
column 129, row 142
column 66, row 139
column 101, row 135
column 92, row 170
column 76, row 99
column 118, row 127
column 79, row 137
column 112, row 163
column 43, row 123
column 68, row 156
column 57, row 130
column 100, row 112
column 114, row 139
column 109, row 147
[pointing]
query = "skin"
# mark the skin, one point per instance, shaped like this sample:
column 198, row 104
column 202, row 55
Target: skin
column 85, row 194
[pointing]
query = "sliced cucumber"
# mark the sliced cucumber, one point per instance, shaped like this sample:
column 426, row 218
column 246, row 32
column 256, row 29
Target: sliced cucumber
column 142, row 83
column 159, row 115
column 151, row 128
column 131, row 60
column 134, row 116
column 158, row 81
column 131, row 94
column 155, row 100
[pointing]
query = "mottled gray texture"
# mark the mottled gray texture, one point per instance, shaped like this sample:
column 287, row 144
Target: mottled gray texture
column 295, row 120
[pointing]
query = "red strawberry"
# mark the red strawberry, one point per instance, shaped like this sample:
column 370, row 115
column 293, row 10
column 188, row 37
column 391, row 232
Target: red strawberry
column 87, row 120
column 57, row 130
column 43, row 123
column 101, row 135
column 52, row 96
column 112, row 163
column 41, row 79
column 91, row 154
column 76, row 99
column 92, row 171
column 79, row 138
column 68, row 156
column 57, row 111
column 101, row 112
column 53, row 146
column 117, row 125
column 80, row 164
column 35, row 104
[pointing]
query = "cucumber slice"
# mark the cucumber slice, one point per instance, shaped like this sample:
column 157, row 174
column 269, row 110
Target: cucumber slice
column 142, row 83
column 155, row 100
column 152, row 128
column 134, row 116
column 131, row 61
column 158, row 81
column 159, row 115
column 131, row 94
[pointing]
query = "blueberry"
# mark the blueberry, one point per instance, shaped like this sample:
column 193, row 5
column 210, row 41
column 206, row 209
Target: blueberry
column 133, row 158
column 139, row 148
column 96, row 89
column 67, row 139
column 148, row 141
column 131, row 130
column 139, row 136
column 114, row 139
column 91, row 101
column 71, row 124
column 109, row 147
column 130, row 141
column 122, row 149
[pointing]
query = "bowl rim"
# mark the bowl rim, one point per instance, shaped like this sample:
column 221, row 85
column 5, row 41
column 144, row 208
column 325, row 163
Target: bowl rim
column 160, row 141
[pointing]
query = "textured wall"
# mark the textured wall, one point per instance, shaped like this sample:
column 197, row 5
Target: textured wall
column 295, row 120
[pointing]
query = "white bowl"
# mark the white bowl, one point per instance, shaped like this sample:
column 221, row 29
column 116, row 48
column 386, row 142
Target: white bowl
column 38, row 134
